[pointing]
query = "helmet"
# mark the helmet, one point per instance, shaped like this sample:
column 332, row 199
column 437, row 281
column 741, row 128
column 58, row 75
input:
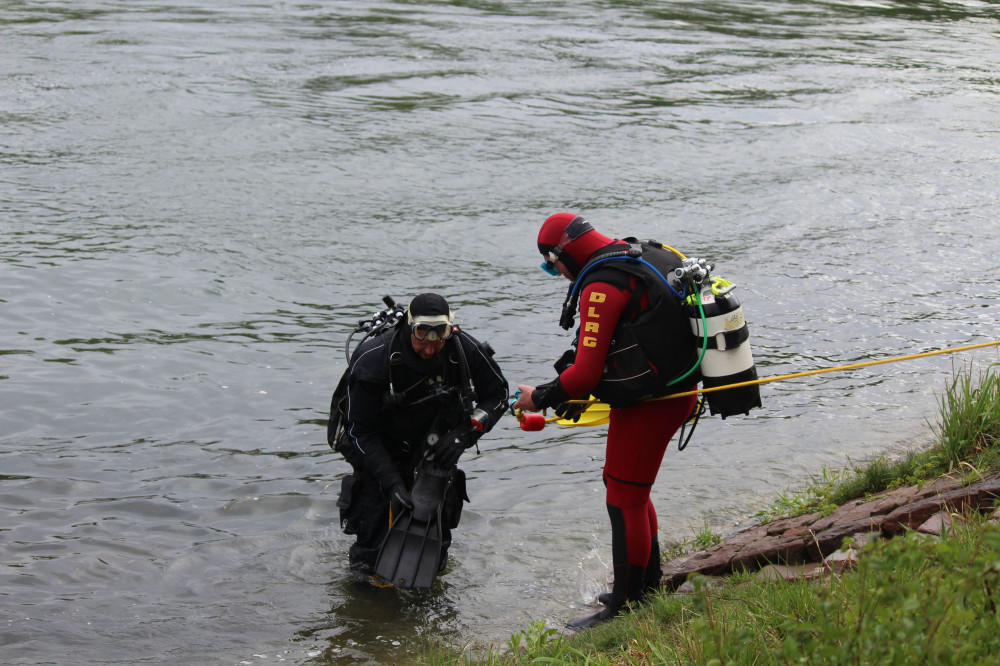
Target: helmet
column 570, row 239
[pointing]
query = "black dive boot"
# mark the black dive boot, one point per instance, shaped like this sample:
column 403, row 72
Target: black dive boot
column 627, row 587
column 652, row 577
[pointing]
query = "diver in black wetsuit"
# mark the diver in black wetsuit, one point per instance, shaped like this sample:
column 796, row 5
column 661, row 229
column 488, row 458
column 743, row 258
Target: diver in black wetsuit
column 421, row 385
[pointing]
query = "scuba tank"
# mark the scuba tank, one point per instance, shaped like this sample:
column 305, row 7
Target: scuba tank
column 723, row 349
column 717, row 319
column 376, row 324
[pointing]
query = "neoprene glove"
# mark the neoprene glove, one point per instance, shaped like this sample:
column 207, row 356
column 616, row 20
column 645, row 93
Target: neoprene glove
column 565, row 361
column 452, row 445
column 570, row 410
column 399, row 499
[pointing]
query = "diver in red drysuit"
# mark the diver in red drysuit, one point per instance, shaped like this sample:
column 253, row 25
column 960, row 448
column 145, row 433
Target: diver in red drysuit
column 638, row 432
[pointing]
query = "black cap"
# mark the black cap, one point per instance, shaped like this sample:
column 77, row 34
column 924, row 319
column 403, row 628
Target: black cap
column 429, row 305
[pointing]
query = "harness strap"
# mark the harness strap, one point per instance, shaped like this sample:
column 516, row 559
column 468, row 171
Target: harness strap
column 731, row 339
column 468, row 388
column 630, row 483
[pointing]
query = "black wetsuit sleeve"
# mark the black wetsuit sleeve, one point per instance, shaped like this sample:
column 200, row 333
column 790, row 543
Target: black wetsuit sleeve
column 492, row 392
column 549, row 394
column 363, row 417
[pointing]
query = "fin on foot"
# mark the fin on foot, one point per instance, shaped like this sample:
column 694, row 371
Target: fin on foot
column 410, row 555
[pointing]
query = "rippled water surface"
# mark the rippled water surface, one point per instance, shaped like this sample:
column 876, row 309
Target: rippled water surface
column 198, row 200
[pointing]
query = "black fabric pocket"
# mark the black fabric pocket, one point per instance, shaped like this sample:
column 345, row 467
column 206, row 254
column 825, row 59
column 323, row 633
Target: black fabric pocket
column 628, row 375
column 451, row 509
column 344, row 503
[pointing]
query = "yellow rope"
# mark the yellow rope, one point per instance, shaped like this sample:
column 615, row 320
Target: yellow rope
column 851, row 366
column 807, row 373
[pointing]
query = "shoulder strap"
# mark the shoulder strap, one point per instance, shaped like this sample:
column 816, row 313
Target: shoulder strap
column 633, row 252
column 393, row 358
column 634, row 299
column 467, row 387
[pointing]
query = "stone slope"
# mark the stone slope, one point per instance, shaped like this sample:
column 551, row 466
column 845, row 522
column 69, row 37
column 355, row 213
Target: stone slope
column 806, row 541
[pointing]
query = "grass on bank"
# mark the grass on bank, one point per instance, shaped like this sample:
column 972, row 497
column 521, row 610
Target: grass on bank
column 965, row 442
column 911, row 600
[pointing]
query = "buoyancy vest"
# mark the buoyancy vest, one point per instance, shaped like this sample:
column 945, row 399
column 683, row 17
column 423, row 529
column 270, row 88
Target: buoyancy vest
column 652, row 345
column 415, row 402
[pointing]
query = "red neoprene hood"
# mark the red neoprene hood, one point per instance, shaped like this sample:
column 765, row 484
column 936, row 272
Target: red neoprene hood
column 571, row 239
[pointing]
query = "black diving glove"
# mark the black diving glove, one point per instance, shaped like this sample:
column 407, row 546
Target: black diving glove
column 570, row 410
column 451, row 445
column 399, row 499
column 565, row 361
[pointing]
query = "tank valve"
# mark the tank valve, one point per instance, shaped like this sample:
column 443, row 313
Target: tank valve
column 693, row 270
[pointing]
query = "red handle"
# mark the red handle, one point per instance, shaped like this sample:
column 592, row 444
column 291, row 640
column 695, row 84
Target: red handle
column 532, row 422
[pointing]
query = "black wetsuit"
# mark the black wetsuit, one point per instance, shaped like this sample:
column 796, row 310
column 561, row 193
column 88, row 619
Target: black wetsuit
column 390, row 401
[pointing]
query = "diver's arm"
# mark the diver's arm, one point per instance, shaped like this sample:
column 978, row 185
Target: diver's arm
column 363, row 415
column 491, row 386
column 601, row 305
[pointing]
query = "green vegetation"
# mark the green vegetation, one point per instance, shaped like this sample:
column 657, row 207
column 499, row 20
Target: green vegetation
column 911, row 599
column 706, row 538
column 965, row 443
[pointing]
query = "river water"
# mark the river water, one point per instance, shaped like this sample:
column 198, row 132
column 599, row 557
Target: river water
column 200, row 198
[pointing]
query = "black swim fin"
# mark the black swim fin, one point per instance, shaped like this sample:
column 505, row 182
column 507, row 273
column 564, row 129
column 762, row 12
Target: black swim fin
column 411, row 551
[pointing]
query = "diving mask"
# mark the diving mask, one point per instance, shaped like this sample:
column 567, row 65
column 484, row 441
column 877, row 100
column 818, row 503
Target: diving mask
column 431, row 331
column 549, row 265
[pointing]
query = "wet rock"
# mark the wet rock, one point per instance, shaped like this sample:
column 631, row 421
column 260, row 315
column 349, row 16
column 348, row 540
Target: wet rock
column 937, row 525
column 842, row 560
column 862, row 539
column 830, row 540
column 979, row 496
column 787, row 525
column 710, row 561
column 777, row 549
column 793, row 572
column 793, row 548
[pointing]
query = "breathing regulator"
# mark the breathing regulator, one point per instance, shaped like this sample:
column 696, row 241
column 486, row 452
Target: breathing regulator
column 381, row 321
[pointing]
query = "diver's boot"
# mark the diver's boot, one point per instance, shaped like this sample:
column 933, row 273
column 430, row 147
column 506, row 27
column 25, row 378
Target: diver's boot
column 627, row 587
column 652, row 577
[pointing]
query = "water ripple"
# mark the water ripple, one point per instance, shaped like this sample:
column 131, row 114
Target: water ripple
column 201, row 199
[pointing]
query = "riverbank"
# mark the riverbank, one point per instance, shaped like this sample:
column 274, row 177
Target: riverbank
column 818, row 544
column 896, row 561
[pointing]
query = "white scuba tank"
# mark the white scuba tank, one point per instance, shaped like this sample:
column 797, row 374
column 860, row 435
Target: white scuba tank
column 728, row 358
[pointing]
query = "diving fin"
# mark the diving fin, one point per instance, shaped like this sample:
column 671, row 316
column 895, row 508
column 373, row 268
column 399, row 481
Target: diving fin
column 411, row 551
